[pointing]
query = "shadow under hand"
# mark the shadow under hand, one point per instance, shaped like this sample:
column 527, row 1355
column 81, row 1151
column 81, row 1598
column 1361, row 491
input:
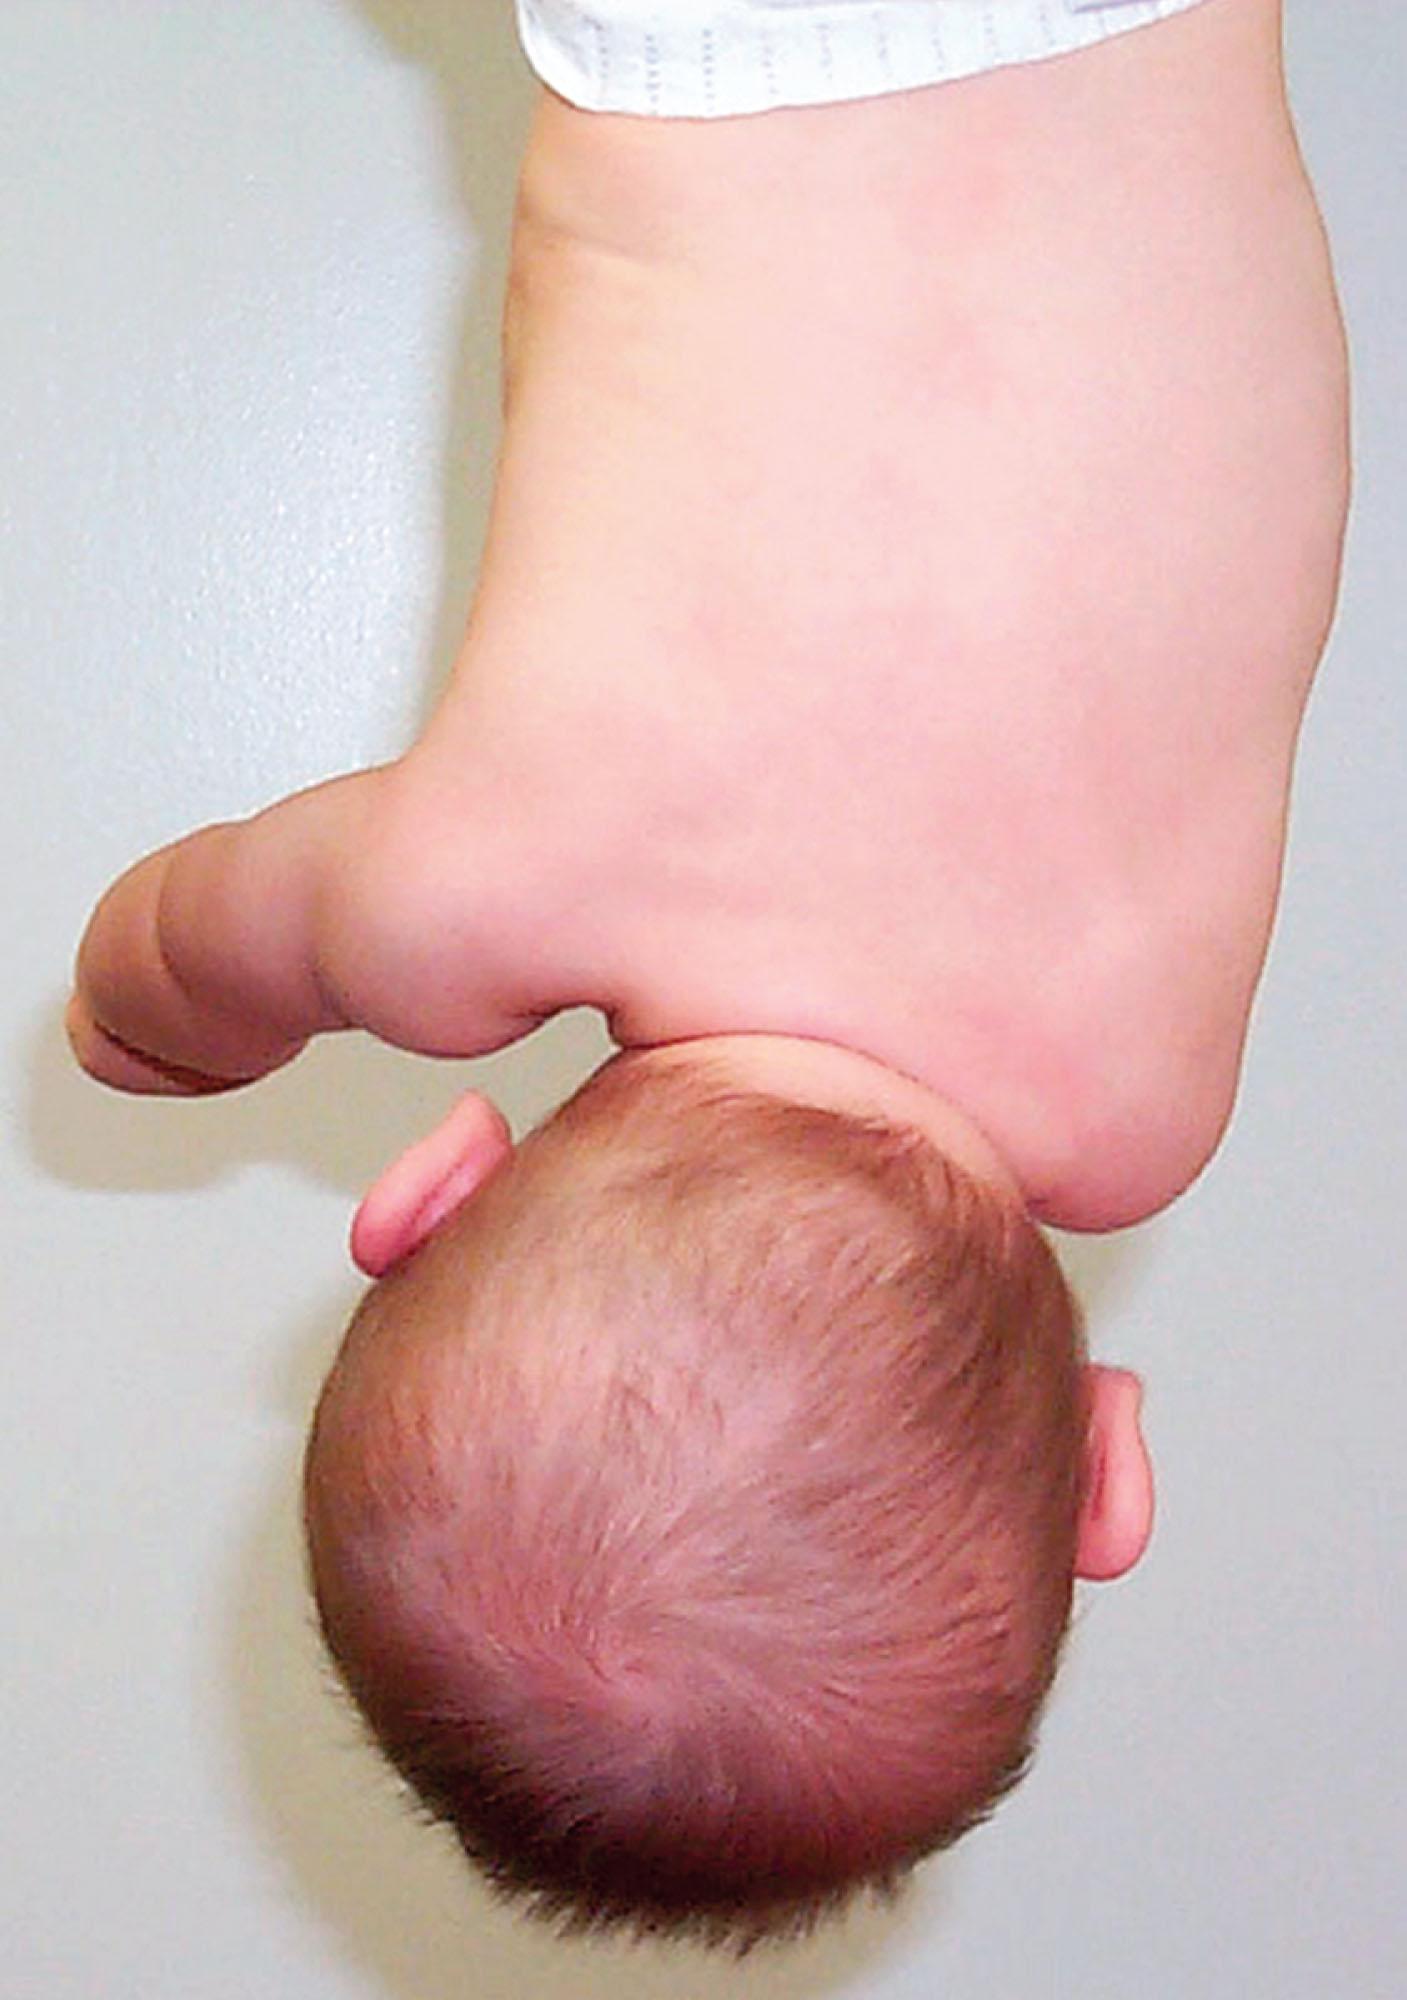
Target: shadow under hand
column 339, row 1114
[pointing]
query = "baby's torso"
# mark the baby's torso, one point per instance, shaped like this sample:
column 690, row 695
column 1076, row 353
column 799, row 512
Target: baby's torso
column 948, row 714
column 1030, row 859
column 1043, row 887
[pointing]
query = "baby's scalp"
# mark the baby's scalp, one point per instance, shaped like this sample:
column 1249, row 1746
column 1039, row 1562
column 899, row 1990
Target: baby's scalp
column 694, row 1517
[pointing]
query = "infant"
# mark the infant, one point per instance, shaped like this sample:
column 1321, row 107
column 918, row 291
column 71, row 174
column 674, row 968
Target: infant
column 917, row 526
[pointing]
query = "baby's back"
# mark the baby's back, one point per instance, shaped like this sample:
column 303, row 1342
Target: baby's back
column 923, row 668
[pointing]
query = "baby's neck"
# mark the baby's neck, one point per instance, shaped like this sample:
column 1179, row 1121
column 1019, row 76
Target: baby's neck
column 813, row 1072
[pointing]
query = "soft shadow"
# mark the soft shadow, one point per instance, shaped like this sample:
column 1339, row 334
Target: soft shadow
column 1103, row 1271
column 337, row 1115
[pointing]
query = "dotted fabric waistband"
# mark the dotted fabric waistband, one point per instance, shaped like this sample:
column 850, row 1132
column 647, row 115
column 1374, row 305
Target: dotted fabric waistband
column 715, row 58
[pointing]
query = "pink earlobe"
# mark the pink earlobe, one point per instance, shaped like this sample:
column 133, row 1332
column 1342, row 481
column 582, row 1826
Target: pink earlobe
column 428, row 1183
column 1117, row 1521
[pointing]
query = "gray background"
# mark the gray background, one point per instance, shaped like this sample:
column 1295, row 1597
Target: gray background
column 252, row 251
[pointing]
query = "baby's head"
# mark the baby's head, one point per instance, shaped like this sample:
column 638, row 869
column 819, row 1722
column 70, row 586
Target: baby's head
column 694, row 1514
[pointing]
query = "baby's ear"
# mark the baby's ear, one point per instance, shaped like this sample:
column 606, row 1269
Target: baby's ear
column 427, row 1183
column 1118, row 1509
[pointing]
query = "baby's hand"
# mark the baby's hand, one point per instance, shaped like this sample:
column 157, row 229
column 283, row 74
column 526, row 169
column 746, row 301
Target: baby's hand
column 110, row 1061
column 199, row 968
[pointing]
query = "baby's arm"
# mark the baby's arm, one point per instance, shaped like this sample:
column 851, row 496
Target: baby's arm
column 216, row 959
column 213, row 961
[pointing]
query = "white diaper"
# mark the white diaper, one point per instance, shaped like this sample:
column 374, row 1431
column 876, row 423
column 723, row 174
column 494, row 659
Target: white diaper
column 712, row 58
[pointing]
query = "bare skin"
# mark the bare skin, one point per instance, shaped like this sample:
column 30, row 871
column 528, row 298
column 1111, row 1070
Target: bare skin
column 917, row 527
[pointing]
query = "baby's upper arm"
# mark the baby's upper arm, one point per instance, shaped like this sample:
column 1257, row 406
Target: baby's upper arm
column 430, row 933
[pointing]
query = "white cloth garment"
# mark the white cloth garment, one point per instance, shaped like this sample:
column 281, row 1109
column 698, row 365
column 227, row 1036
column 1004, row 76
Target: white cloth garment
column 714, row 58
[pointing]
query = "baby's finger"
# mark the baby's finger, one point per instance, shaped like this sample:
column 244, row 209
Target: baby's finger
column 112, row 1062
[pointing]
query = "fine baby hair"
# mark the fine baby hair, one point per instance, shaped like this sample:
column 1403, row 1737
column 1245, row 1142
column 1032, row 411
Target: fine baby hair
column 693, row 1516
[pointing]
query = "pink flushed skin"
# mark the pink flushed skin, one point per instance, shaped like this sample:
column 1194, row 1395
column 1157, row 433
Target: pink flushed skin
column 917, row 528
